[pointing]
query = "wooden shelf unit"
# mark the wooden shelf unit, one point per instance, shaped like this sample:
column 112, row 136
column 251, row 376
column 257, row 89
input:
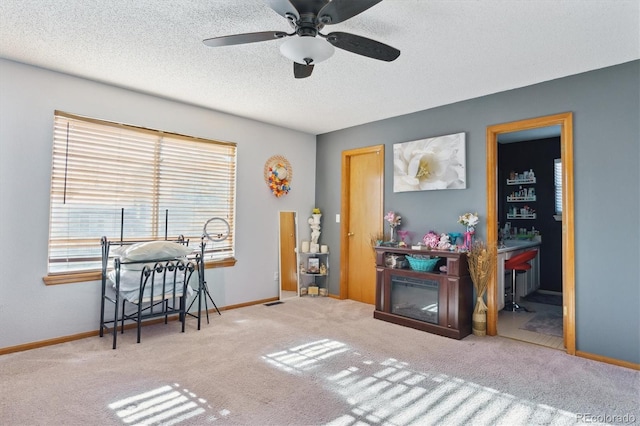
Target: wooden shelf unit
column 455, row 291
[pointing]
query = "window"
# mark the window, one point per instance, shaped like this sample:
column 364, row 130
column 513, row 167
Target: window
column 557, row 180
column 109, row 176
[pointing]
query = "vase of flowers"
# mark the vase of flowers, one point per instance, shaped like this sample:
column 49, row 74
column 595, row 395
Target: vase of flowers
column 316, row 214
column 394, row 221
column 431, row 239
column 470, row 220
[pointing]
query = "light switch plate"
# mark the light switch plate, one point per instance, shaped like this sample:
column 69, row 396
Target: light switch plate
column 338, row 218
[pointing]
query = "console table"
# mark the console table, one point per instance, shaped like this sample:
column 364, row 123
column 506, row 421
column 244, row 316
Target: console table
column 437, row 302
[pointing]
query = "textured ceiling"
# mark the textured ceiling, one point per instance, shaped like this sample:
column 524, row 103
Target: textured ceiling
column 452, row 50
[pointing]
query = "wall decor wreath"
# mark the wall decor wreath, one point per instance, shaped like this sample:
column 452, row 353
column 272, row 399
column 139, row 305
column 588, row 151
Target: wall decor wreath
column 278, row 174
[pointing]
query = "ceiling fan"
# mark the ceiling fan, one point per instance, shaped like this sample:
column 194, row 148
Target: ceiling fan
column 308, row 45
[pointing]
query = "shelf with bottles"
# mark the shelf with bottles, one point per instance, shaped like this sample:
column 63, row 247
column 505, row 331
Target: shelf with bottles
column 525, row 178
column 521, row 181
column 524, row 212
column 521, row 216
column 521, row 195
column 519, row 199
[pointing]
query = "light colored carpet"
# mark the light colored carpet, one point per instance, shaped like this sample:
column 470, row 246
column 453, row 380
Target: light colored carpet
column 307, row 361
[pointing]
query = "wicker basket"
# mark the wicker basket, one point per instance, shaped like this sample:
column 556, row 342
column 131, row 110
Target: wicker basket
column 424, row 265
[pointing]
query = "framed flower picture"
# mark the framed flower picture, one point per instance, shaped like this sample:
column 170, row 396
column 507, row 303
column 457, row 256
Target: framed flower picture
column 429, row 164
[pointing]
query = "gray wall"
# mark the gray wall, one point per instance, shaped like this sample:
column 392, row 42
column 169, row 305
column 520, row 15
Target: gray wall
column 606, row 108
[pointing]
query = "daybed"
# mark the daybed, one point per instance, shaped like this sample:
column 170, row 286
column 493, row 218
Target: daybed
column 143, row 280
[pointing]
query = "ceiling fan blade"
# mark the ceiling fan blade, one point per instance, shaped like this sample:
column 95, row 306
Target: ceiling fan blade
column 244, row 38
column 340, row 10
column 302, row 71
column 284, row 8
column 363, row 46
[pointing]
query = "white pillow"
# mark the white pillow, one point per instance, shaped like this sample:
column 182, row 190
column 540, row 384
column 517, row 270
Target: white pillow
column 135, row 266
column 118, row 251
column 155, row 250
column 121, row 251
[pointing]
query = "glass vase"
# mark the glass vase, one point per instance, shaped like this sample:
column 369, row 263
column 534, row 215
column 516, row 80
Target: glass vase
column 468, row 237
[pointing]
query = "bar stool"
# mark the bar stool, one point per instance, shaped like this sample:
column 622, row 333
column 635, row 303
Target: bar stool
column 518, row 263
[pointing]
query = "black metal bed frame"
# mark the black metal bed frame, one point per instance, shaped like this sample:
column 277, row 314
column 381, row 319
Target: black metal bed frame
column 148, row 274
column 169, row 300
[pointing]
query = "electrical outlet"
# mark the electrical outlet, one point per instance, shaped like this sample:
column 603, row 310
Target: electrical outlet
column 275, row 276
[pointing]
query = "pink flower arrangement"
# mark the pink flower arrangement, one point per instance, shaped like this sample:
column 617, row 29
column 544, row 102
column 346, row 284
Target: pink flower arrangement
column 393, row 219
column 431, row 239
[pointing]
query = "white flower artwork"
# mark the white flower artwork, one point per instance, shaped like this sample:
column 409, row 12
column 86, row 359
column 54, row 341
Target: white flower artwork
column 432, row 163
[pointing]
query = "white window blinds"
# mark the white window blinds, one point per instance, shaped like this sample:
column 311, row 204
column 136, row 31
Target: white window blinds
column 557, row 179
column 110, row 178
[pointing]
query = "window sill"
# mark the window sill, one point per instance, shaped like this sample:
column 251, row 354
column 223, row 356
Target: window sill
column 231, row 261
column 79, row 277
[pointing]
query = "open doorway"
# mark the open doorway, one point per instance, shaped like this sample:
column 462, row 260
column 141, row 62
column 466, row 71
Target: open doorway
column 565, row 123
column 528, row 224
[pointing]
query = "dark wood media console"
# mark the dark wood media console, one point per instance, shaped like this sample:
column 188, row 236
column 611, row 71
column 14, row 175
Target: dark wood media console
column 453, row 291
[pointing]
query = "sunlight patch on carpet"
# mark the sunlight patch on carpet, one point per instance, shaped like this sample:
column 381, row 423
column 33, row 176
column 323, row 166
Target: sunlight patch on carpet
column 389, row 392
column 305, row 357
column 166, row 405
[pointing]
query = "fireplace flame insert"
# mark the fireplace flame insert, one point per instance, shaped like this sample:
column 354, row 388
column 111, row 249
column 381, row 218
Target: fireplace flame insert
column 415, row 298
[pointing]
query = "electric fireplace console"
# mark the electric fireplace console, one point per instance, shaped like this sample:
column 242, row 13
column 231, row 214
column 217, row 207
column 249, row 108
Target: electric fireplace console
column 439, row 302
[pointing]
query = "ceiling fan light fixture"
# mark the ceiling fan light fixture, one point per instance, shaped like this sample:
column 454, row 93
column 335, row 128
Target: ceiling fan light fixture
column 306, row 50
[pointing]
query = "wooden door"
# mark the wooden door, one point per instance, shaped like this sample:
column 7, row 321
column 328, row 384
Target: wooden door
column 362, row 205
column 288, row 262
